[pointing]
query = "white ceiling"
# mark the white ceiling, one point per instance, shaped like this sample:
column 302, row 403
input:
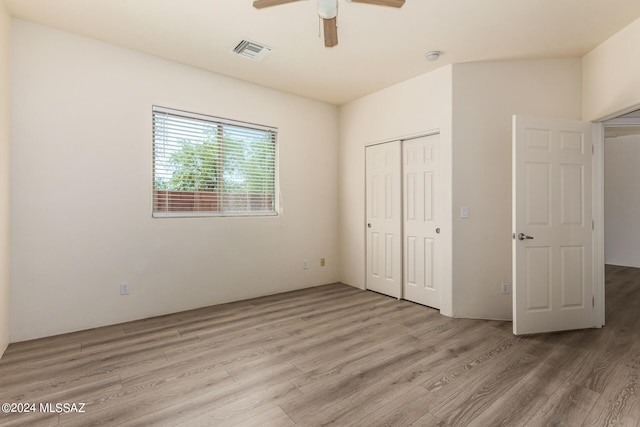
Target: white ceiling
column 378, row 46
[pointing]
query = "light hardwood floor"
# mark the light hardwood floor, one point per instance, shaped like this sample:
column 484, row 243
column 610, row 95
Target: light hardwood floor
column 334, row 355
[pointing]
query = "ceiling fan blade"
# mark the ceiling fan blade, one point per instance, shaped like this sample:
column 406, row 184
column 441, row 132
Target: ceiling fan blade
column 390, row 3
column 330, row 32
column 259, row 4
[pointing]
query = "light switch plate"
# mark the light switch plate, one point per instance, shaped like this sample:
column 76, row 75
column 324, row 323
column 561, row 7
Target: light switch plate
column 506, row 288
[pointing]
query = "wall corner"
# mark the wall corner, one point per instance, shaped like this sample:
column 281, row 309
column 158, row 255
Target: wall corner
column 5, row 39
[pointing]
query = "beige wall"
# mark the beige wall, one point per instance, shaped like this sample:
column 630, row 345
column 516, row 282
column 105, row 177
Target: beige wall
column 610, row 75
column 81, row 188
column 485, row 96
column 5, row 28
column 622, row 200
column 413, row 107
column 472, row 105
column 81, row 128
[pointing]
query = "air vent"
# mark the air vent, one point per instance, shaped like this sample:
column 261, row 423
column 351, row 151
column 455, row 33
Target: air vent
column 251, row 50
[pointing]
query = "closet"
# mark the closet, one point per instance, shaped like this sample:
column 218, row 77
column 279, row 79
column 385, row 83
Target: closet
column 403, row 214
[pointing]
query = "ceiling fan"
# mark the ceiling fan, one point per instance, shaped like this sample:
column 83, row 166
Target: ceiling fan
column 328, row 11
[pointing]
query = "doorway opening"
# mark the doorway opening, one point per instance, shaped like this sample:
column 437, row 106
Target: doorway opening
column 621, row 195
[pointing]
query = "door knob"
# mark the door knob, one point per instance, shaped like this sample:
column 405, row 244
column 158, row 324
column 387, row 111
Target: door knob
column 368, row 225
column 438, row 230
column 523, row 236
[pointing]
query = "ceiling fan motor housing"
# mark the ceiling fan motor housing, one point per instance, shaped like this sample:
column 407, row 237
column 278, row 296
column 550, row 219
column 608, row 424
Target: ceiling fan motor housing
column 328, row 11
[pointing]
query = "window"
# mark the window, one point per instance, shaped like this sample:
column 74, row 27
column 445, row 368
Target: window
column 206, row 166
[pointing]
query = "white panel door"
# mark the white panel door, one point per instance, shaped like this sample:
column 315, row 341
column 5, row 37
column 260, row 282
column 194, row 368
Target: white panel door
column 552, row 225
column 384, row 219
column 420, row 159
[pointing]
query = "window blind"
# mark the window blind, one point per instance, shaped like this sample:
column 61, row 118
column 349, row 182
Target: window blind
column 207, row 166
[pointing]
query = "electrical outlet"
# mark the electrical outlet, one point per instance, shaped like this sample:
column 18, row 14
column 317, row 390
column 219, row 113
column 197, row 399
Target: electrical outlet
column 506, row 288
column 124, row 288
column 305, row 264
column 321, row 262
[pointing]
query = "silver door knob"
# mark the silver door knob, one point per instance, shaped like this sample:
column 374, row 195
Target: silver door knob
column 523, row 236
column 369, row 225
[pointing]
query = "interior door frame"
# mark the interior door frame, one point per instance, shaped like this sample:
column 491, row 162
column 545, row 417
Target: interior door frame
column 597, row 182
column 598, row 204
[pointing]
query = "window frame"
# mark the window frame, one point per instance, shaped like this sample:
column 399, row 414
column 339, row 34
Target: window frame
column 216, row 121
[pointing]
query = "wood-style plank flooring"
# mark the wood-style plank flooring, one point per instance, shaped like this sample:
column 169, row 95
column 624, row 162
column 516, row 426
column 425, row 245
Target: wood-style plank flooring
column 334, row 355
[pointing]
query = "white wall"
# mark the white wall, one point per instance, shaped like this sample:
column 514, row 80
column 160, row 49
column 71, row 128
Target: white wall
column 81, row 188
column 610, row 75
column 485, row 96
column 5, row 37
column 416, row 106
column 622, row 200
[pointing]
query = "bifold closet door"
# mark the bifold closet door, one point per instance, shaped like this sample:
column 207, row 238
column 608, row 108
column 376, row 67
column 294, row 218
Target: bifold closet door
column 421, row 211
column 384, row 218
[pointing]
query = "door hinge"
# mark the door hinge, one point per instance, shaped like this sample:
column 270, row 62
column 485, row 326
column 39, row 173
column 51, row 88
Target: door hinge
column 593, row 224
column 593, row 301
column 593, row 149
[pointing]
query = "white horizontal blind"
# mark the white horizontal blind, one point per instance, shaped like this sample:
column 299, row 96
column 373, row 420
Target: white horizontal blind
column 206, row 166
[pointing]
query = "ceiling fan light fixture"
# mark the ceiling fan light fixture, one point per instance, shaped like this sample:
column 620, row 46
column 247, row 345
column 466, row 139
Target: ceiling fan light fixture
column 327, row 9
